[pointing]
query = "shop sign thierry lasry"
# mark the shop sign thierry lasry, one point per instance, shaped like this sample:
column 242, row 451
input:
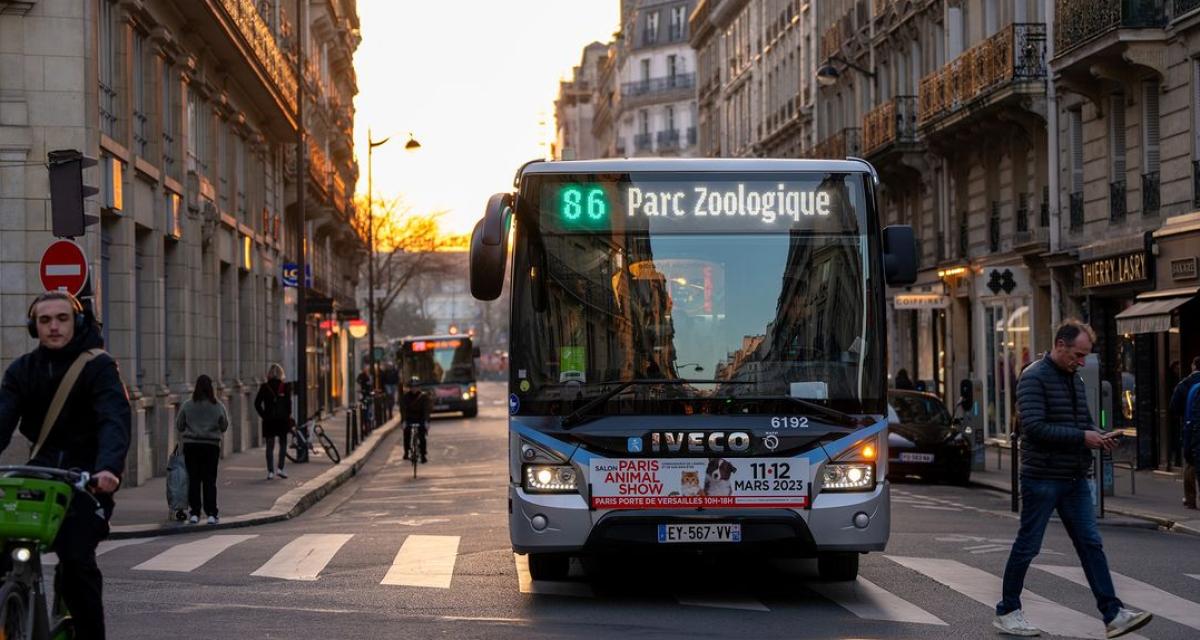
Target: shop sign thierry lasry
column 1123, row 269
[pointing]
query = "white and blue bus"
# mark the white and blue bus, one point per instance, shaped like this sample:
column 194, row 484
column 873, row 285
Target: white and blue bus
column 697, row 356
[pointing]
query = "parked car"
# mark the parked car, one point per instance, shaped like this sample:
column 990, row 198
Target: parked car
column 923, row 440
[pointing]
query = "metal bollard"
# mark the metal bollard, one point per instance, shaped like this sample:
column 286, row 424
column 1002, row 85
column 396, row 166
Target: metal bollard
column 349, row 444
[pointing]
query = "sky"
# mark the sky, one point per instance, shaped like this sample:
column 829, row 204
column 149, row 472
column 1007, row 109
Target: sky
column 474, row 82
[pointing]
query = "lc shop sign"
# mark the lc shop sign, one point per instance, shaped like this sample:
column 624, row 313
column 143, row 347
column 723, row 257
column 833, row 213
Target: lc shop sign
column 1123, row 269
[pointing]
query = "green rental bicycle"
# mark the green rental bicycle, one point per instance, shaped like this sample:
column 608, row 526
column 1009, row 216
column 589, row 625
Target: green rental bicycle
column 33, row 502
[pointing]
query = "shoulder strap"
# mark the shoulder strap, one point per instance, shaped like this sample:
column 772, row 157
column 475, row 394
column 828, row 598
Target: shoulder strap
column 60, row 396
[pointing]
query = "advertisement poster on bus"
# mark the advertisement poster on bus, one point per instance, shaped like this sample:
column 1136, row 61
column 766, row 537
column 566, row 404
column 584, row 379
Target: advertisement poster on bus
column 689, row 483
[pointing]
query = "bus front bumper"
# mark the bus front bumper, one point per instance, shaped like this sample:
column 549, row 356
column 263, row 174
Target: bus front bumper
column 563, row 523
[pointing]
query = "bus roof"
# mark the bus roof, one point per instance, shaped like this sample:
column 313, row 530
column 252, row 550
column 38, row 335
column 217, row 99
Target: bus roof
column 622, row 165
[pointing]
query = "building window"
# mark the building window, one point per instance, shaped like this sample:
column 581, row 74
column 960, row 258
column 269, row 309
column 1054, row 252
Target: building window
column 1075, row 129
column 678, row 22
column 672, row 66
column 141, row 126
column 239, row 177
column 646, row 69
column 170, row 122
column 1150, row 148
column 197, row 142
column 651, row 35
column 109, row 67
column 670, row 118
column 224, row 166
column 1116, row 152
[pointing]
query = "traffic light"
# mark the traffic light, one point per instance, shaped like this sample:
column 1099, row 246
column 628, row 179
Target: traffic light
column 67, row 192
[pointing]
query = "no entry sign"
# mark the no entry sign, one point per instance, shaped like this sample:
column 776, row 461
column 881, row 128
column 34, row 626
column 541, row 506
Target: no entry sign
column 64, row 267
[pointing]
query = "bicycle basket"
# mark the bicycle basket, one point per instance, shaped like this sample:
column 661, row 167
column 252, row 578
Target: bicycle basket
column 32, row 508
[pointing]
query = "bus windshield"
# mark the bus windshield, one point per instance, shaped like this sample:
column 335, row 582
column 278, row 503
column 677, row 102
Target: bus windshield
column 437, row 360
column 764, row 298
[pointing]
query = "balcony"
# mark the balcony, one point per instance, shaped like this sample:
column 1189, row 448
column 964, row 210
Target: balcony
column 1151, row 193
column 643, row 142
column 1080, row 21
column 840, row 145
column 662, row 89
column 668, row 140
column 1014, row 58
column 319, row 168
column 891, row 123
column 1184, row 6
column 258, row 41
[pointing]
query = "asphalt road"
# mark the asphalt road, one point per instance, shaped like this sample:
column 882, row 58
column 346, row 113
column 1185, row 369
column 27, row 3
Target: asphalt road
column 389, row 556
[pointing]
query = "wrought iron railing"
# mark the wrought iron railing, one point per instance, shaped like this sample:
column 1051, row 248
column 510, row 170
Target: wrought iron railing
column 318, row 165
column 1151, row 193
column 840, row 145
column 891, row 122
column 258, row 35
column 659, row 85
column 1079, row 21
column 1016, row 53
column 1184, row 6
column 1116, row 201
column 1077, row 210
column 643, row 142
column 668, row 139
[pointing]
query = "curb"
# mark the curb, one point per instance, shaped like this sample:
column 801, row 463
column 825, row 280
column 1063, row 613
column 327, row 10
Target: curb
column 287, row 506
column 1157, row 521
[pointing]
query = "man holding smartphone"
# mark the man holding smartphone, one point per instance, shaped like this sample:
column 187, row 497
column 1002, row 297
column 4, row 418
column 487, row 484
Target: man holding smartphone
column 1057, row 434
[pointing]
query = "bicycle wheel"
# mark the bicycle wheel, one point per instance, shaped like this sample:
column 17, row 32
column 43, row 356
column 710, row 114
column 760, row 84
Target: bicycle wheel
column 292, row 450
column 330, row 450
column 414, row 442
column 16, row 612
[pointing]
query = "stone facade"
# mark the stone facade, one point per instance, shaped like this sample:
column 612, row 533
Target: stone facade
column 191, row 110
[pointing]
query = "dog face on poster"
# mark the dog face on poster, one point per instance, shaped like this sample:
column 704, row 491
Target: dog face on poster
column 716, row 477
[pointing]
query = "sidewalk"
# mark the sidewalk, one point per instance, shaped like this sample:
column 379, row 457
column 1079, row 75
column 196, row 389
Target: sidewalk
column 1155, row 496
column 244, row 495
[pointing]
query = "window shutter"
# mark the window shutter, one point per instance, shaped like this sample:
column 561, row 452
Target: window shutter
column 1150, row 122
column 1116, row 135
column 1076, row 117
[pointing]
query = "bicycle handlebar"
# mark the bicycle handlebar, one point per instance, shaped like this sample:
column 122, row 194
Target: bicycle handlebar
column 80, row 481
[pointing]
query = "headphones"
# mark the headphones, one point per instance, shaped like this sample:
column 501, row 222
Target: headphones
column 76, row 308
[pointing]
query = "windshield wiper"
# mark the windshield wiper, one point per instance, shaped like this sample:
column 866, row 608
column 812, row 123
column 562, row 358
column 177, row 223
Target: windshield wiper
column 838, row 417
column 580, row 415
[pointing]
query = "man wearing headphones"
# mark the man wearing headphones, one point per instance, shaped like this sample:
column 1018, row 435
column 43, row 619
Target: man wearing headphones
column 91, row 433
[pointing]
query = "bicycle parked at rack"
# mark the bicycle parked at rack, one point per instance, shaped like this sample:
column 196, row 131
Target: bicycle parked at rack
column 301, row 443
column 33, row 502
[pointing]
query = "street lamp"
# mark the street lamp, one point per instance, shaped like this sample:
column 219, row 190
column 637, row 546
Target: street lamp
column 828, row 75
column 411, row 145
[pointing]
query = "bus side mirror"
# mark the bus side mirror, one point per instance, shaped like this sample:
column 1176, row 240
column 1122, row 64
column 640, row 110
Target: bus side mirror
column 899, row 255
column 489, row 248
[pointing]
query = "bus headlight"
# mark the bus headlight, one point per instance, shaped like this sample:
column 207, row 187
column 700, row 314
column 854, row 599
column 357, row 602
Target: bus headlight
column 849, row 476
column 545, row 478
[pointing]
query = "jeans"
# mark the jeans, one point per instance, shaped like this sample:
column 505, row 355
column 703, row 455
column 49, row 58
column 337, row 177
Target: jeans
column 77, row 577
column 1072, row 499
column 201, row 460
column 271, row 452
column 1191, row 479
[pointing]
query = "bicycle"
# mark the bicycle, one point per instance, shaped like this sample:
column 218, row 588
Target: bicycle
column 414, row 445
column 301, row 442
column 33, row 502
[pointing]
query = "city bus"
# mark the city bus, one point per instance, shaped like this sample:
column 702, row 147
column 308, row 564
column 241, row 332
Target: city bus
column 697, row 357
column 443, row 366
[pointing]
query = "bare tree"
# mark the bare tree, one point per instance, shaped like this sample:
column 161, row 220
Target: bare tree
column 407, row 245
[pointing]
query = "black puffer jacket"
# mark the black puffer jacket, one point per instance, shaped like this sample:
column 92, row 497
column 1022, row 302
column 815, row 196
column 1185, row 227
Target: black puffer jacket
column 92, row 432
column 1054, row 417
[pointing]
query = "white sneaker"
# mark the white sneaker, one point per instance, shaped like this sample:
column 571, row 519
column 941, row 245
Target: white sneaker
column 282, row 474
column 193, row 519
column 1127, row 620
column 270, row 475
column 1014, row 623
column 213, row 519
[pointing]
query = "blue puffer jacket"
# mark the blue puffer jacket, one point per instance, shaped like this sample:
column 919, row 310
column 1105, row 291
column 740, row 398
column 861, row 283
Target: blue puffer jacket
column 1054, row 416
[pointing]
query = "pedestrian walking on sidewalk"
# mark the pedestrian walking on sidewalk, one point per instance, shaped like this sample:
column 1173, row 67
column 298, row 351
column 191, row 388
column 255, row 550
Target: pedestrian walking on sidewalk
column 201, row 422
column 391, row 382
column 1057, row 434
column 1190, row 434
column 274, row 406
column 903, row 381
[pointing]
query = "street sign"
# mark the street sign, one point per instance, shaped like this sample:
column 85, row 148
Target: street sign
column 64, row 267
column 291, row 269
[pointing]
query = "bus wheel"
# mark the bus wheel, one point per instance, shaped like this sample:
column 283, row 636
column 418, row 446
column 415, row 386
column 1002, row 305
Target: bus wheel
column 837, row 567
column 549, row 566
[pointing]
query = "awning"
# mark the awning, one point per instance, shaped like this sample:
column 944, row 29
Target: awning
column 1150, row 316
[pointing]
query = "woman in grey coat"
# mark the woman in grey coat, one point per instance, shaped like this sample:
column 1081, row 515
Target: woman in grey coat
column 201, row 421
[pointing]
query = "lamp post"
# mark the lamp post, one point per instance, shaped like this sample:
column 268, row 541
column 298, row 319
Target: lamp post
column 411, row 145
column 301, row 383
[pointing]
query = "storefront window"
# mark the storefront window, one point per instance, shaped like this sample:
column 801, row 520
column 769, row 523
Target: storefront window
column 1009, row 352
column 1127, row 383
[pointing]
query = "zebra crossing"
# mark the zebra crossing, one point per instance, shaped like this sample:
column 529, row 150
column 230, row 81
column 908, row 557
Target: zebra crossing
column 429, row 562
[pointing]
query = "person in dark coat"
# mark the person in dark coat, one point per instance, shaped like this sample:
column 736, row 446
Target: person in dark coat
column 92, row 433
column 1057, row 439
column 903, row 381
column 274, row 406
column 415, row 408
column 1178, row 407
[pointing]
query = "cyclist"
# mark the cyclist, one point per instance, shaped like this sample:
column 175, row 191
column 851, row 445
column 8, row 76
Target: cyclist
column 91, row 433
column 415, row 408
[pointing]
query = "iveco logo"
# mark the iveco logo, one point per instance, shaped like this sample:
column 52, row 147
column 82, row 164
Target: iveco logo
column 699, row 442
